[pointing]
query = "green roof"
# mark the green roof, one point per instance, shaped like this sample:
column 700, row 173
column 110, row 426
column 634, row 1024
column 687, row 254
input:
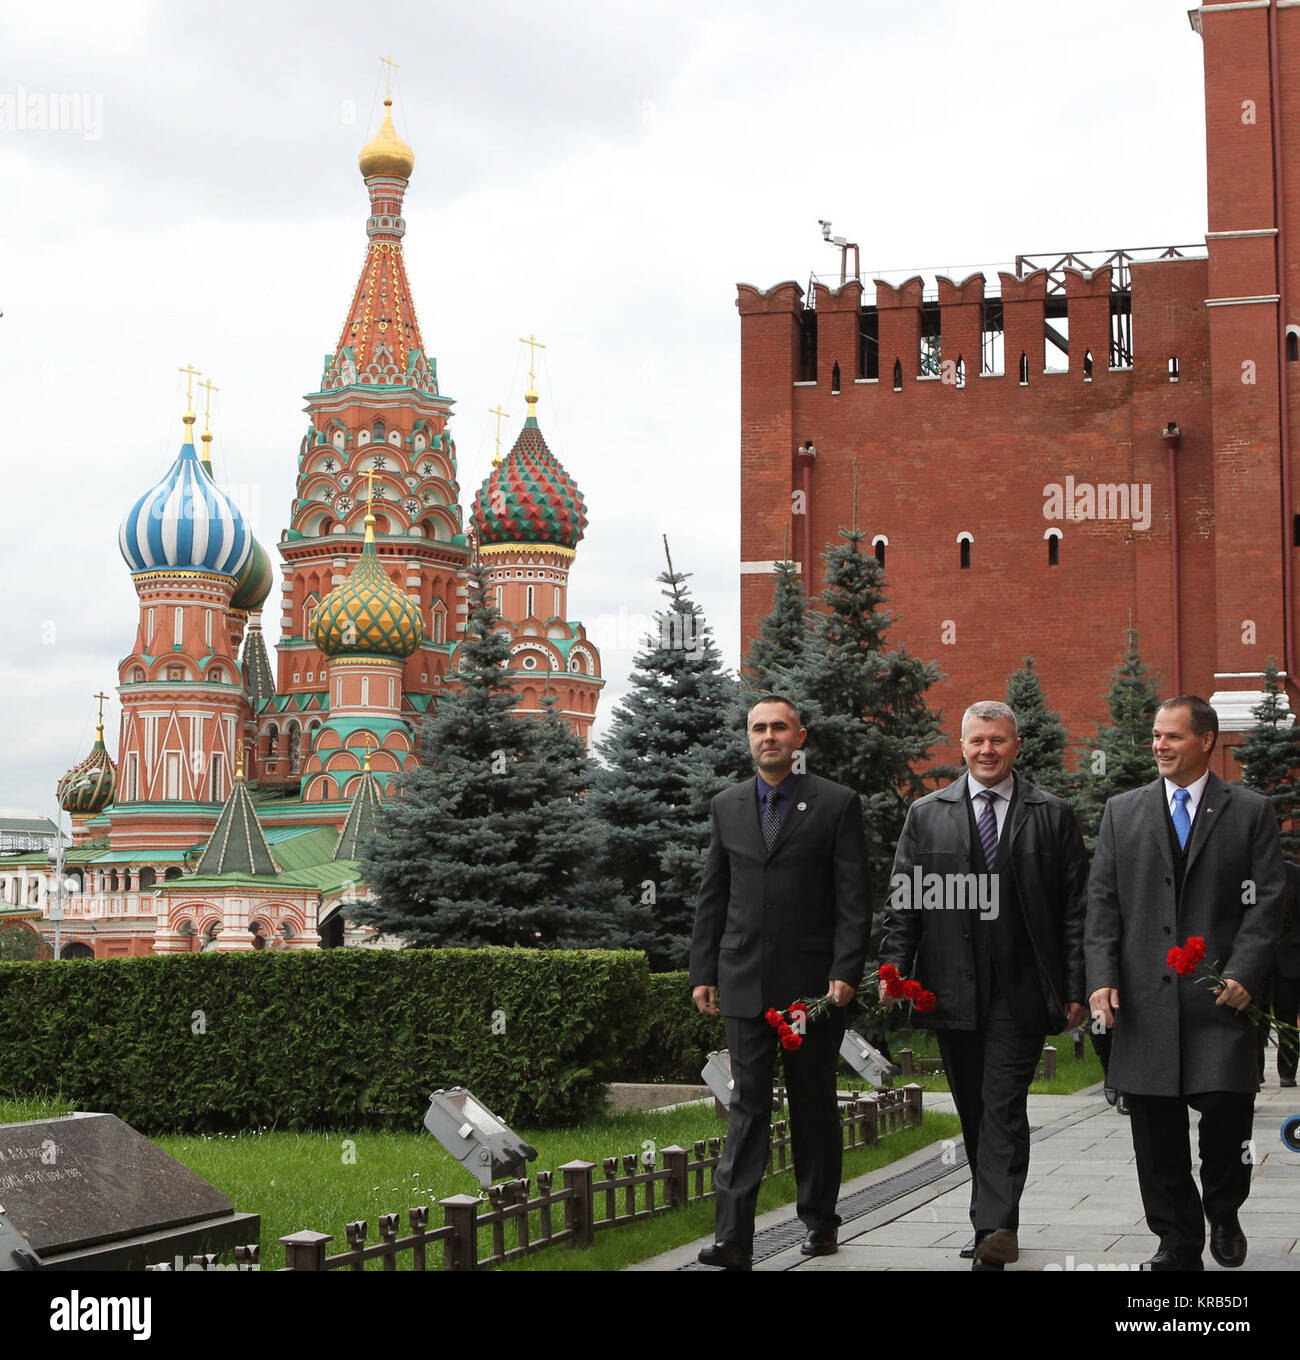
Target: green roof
column 237, row 844
column 323, row 878
column 302, row 847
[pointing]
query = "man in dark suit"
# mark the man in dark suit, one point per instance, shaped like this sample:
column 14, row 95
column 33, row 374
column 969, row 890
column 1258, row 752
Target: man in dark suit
column 783, row 913
column 1188, row 855
column 987, row 904
column 1282, row 994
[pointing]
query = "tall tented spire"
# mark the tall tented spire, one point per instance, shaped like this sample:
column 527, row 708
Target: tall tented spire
column 361, row 817
column 259, row 682
column 380, row 345
column 237, row 845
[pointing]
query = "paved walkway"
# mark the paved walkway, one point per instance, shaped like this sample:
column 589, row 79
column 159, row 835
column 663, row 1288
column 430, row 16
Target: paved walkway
column 1080, row 1207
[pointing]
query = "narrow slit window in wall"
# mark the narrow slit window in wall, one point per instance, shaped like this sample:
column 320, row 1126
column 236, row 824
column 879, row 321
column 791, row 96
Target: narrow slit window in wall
column 965, row 541
column 1024, row 369
column 1054, row 550
column 898, row 375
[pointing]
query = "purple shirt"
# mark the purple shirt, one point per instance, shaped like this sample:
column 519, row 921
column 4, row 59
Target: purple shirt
column 785, row 792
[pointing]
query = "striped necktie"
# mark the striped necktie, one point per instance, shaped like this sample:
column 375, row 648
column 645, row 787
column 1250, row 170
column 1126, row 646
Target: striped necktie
column 988, row 828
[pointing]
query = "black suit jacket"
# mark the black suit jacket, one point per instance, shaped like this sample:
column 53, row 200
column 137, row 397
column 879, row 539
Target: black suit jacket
column 1288, row 949
column 771, row 927
column 1050, row 867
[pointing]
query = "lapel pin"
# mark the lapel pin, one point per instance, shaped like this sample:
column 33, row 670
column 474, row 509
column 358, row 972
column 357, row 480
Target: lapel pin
column 803, row 807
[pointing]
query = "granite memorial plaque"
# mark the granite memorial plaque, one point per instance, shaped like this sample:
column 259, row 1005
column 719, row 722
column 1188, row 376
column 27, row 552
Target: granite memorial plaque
column 87, row 1191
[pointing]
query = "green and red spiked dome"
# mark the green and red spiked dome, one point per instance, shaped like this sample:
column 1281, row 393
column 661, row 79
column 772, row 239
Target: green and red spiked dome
column 528, row 497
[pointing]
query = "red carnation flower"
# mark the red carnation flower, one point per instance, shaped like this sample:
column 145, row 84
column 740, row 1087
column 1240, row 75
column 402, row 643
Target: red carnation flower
column 894, row 986
column 790, row 1040
column 887, row 971
column 773, row 1018
column 784, row 1030
column 912, row 989
column 925, row 1002
column 1195, row 948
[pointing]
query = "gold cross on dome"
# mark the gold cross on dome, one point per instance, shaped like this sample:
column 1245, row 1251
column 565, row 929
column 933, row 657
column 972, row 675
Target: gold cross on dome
column 392, row 66
column 500, row 415
column 191, row 373
column 370, row 489
column 102, row 697
column 534, row 344
column 209, row 388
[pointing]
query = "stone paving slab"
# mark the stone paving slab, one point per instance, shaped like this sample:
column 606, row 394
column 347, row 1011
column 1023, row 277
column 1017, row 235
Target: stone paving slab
column 1081, row 1208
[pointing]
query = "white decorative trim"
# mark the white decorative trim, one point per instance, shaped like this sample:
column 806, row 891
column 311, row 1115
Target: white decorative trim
column 765, row 568
column 1247, row 675
column 812, row 383
column 1243, row 301
column 1234, row 708
column 1231, row 235
column 1236, row 4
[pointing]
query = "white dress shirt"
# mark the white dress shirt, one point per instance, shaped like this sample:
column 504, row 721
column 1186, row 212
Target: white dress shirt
column 1197, row 791
column 1001, row 804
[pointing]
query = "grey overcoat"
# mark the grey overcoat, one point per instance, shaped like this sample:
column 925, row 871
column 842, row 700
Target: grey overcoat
column 1170, row 1038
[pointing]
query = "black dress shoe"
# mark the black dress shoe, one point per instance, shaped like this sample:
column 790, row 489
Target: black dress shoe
column 1121, row 1104
column 726, row 1257
column 820, row 1242
column 1286, row 1081
column 968, row 1251
column 998, row 1248
column 1110, row 1093
column 1172, row 1260
column 1227, row 1241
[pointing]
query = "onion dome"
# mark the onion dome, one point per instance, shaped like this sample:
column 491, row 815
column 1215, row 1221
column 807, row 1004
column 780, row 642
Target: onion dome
column 254, row 583
column 386, row 153
column 368, row 615
column 185, row 522
column 89, row 786
column 528, row 497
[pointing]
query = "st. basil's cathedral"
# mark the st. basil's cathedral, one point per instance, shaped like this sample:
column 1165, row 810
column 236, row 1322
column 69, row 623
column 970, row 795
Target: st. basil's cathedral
column 234, row 813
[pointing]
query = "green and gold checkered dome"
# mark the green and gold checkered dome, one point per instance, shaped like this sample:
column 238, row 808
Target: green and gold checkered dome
column 368, row 615
column 89, row 786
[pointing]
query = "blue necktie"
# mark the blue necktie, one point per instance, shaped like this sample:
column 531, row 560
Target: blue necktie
column 771, row 819
column 1182, row 822
column 988, row 828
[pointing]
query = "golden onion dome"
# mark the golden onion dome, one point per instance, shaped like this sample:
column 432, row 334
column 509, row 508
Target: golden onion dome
column 368, row 615
column 386, row 153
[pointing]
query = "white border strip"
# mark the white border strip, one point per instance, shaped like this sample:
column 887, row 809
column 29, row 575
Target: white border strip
column 1242, row 301
column 765, row 568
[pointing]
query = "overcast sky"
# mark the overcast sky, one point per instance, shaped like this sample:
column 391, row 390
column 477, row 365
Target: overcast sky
column 600, row 174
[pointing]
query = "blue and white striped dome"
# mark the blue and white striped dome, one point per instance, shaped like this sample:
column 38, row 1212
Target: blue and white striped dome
column 185, row 522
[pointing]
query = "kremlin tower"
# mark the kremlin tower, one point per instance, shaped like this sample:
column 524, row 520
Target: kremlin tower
column 243, row 796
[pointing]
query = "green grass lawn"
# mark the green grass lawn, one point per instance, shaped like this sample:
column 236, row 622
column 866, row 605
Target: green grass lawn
column 323, row 1181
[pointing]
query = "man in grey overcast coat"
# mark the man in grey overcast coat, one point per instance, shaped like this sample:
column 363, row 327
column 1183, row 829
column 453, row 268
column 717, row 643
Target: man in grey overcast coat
column 1188, row 855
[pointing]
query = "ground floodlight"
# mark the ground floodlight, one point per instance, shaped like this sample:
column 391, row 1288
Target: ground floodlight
column 868, row 1062
column 475, row 1137
column 717, row 1076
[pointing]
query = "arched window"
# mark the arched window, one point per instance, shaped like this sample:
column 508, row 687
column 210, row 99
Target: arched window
column 1053, row 537
column 961, row 371
column 835, row 377
column 148, row 877
column 898, row 375
column 879, row 544
column 1087, row 363
column 964, row 541
column 1024, row 369
column 1292, row 344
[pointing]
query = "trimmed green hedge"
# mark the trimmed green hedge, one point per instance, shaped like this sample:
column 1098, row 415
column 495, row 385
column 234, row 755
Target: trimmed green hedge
column 324, row 1039
column 675, row 1038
